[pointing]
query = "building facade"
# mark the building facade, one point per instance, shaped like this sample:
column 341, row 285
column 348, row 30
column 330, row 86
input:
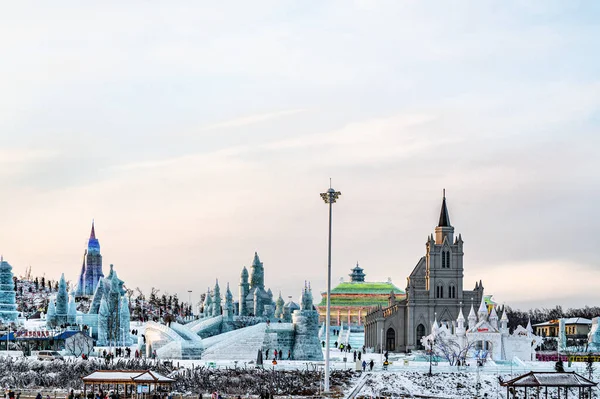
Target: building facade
column 434, row 290
column 351, row 300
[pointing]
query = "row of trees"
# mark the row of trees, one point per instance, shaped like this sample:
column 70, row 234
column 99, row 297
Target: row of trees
column 519, row 317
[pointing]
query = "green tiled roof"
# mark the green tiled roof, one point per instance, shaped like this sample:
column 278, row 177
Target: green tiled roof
column 366, row 288
column 359, row 301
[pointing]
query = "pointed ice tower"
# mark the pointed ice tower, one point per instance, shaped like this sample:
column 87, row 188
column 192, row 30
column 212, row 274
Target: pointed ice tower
column 216, row 307
column 482, row 313
column 460, row 324
column 504, row 322
column 72, row 312
column 529, row 328
column 62, row 298
column 472, row 318
column 435, row 327
column 51, row 313
column 124, row 322
column 228, row 313
column 103, row 320
column 244, row 291
column 494, row 318
column 208, row 304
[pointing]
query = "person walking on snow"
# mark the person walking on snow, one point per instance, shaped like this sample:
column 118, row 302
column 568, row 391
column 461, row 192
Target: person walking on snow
column 371, row 364
column 364, row 365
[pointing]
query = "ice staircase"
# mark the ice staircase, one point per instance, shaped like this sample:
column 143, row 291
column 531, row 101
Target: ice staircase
column 204, row 325
column 242, row 344
column 174, row 342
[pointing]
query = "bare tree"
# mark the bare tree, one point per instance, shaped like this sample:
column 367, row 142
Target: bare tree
column 451, row 350
column 79, row 344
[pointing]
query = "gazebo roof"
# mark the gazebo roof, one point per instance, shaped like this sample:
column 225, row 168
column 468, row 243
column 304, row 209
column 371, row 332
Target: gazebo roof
column 126, row 377
column 549, row 379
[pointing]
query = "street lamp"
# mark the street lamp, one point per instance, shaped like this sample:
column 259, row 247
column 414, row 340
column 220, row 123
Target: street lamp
column 431, row 345
column 330, row 197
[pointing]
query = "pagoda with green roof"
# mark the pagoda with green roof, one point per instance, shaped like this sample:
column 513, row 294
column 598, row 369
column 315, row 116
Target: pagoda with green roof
column 350, row 300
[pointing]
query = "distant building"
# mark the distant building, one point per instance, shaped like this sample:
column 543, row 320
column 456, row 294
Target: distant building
column 434, row 291
column 91, row 269
column 576, row 328
column 350, row 301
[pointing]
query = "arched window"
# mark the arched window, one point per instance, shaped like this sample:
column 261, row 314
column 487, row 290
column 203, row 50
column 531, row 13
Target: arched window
column 452, row 291
column 447, row 259
column 439, row 291
column 443, row 259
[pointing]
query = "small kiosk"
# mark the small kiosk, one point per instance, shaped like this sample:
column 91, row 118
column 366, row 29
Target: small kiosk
column 128, row 383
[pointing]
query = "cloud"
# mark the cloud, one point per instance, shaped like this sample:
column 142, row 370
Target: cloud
column 250, row 120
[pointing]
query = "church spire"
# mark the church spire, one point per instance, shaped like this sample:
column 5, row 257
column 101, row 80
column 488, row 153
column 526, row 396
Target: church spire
column 444, row 230
column 444, row 216
column 93, row 232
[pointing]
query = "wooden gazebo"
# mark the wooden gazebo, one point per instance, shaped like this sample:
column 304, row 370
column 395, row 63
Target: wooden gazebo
column 148, row 381
column 561, row 383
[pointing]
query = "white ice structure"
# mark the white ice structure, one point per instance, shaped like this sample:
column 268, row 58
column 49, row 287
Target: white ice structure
column 224, row 339
column 172, row 342
column 594, row 335
column 483, row 337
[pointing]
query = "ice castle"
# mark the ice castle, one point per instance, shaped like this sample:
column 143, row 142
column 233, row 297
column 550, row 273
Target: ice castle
column 108, row 316
column 8, row 306
column 254, row 300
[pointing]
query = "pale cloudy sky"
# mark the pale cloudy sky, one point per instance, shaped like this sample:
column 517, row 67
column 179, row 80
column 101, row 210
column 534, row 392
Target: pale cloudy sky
column 197, row 133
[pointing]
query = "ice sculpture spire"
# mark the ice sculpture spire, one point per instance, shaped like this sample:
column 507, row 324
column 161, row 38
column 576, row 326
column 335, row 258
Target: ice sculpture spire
column 72, row 312
column 472, row 317
column 494, row 318
column 124, row 322
column 482, row 313
column 257, row 273
column 216, row 300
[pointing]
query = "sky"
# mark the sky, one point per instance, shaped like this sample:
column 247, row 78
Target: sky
column 195, row 133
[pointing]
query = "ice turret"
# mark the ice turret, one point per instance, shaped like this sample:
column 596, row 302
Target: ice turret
column 435, row 326
column 125, row 318
column 529, row 328
column 244, row 290
column 472, row 318
column 228, row 304
column 482, row 313
column 72, row 312
column 208, row 304
column 460, row 323
column 216, row 310
column 257, row 273
column 51, row 310
column 62, row 298
column 494, row 318
column 504, row 322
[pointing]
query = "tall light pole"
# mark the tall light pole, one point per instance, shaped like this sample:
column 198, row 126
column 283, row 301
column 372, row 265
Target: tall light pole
column 330, row 197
